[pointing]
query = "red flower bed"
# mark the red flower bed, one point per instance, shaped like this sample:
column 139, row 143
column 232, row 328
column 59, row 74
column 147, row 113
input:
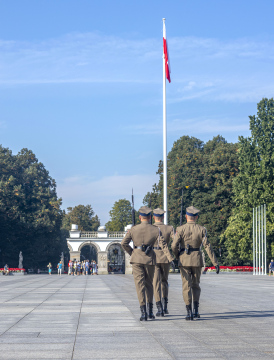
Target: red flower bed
column 232, row 268
column 13, row 269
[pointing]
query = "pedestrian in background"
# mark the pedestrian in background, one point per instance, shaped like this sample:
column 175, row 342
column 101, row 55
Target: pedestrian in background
column 87, row 266
column 78, row 267
column 95, row 268
column 50, row 267
column 6, row 270
column 271, row 267
column 59, row 267
column 70, row 265
column 75, row 268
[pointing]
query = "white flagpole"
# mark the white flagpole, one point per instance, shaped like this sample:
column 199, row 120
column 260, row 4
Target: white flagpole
column 164, row 134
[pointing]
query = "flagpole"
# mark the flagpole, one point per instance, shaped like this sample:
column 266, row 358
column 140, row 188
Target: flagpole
column 164, row 137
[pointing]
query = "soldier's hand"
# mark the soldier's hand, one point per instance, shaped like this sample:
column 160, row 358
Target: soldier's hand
column 217, row 267
column 172, row 265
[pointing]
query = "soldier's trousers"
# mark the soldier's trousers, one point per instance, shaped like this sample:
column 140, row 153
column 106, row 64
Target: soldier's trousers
column 191, row 279
column 143, row 278
column 160, row 281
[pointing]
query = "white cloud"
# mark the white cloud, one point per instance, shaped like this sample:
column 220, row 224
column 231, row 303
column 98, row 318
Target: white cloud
column 102, row 194
column 207, row 69
column 192, row 126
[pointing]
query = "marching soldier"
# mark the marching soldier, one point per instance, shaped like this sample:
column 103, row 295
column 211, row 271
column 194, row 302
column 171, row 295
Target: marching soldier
column 160, row 279
column 186, row 246
column 143, row 258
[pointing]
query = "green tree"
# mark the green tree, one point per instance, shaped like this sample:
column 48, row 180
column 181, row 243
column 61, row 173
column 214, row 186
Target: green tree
column 205, row 172
column 254, row 184
column 120, row 215
column 83, row 216
column 30, row 213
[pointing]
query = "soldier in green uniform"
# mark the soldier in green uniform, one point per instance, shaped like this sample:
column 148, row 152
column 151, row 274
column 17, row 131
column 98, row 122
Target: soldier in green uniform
column 186, row 247
column 143, row 258
column 160, row 279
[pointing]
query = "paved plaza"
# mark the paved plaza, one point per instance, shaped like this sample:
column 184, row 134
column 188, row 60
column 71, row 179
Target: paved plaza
column 97, row 317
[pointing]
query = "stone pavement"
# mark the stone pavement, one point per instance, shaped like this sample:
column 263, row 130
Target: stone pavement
column 97, row 317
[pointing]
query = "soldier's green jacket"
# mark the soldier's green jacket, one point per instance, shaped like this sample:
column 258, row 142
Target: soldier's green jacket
column 167, row 233
column 146, row 234
column 193, row 235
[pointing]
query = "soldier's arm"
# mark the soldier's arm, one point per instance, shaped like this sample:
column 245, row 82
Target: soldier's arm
column 175, row 244
column 209, row 250
column 125, row 243
column 165, row 248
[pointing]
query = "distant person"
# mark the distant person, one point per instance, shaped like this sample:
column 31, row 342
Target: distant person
column 6, row 270
column 95, row 271
column 78, row 267
column 83, row 267
column 49, row 266
column 74, row 268
column 91, row 267
column 271, row 267
column 59, row 267
column 70, row 265
column 87, row 266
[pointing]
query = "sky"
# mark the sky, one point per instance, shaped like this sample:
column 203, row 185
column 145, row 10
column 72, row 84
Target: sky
column 81, row 85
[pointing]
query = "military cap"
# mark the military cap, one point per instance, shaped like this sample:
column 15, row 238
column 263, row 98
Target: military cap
column 158, row 212
column 144, row 211
column 192, row 211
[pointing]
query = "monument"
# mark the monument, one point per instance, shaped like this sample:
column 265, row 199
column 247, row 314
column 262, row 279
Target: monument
column 20, row 266
column 103, row 242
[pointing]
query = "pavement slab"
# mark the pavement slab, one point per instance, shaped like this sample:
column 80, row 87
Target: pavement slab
column 97, row 317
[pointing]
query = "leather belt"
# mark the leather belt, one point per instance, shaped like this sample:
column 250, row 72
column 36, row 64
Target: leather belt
column 190, row 249
column 143, row 247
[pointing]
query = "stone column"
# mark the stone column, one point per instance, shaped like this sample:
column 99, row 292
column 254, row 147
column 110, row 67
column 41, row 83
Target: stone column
column 128, row 267
column 102, row 263
column 75, row 255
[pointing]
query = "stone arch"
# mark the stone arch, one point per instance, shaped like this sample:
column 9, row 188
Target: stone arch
column 116, row 261
column 85, row 243
column 89, row 250
column 114, row 242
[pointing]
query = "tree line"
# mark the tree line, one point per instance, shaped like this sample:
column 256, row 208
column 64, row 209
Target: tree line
column 224, row 180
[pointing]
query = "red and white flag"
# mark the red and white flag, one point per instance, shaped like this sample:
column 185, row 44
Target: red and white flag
column 167, row 65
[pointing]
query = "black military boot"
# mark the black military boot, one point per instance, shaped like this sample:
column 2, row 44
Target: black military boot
column 150, row 311
column 196, row 314
column 165, row 305
column 143, row 313
column 160, row 311
column 189, row 313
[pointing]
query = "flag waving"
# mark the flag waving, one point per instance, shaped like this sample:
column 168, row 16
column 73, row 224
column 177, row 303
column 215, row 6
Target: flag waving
column 167, row 65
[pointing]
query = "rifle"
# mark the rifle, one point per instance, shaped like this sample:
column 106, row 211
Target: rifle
column 133, row 211
column 182, row 202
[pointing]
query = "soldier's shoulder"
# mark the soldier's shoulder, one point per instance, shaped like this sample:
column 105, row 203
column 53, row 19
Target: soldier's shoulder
column 180, row 228
column 202, row 227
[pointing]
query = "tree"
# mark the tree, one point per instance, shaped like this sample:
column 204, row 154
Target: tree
column 254, row 185
column 205, row 173
column 120, row 215
column 83, row 216
column 30, row 213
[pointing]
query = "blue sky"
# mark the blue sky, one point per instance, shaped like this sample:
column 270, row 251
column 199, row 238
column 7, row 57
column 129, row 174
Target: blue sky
column 81, row 85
